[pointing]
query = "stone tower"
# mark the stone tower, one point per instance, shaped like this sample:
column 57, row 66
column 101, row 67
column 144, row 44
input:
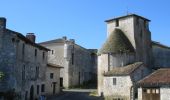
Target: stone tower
column 136, row 29
column 128, row 41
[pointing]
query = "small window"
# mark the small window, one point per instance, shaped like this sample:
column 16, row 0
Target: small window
column 72, row 59
column 137, row 21
column 157, row 91
column 23, row 73
column 117, row 23
column 52, row 52
column 35, row 52
column 42, row 88
column 37, row 72
column 148, row 91
column 145, row 23
column 13, row 39
column 43, row 55
column 38, row 89
column 51, row 75
column 23, row 49
column 114, row 81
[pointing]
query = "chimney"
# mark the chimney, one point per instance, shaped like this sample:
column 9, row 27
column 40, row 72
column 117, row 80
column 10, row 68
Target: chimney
column 72, row 41
column 2, row 23
column 64, row 38
column 31, row 37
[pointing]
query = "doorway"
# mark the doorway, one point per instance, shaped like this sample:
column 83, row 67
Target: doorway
column 32, row 93
column 54, row 87
column 61, row 82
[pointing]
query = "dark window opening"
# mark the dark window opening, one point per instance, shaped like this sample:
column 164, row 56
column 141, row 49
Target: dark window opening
column 13, row 39
column 117, row 23
column 137, row 21
column 145, row 23
column 37, row 72
column 52, row 51
column 42, row 88
column 141, row 34
column 23, row 73
column 72, row 58
column 51, row 75
column 43, row 55
column 38, row 89
column 23, row 50
column 35, row 52
column 114, row 81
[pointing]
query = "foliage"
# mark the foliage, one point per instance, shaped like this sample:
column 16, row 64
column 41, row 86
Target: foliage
column 1, row 75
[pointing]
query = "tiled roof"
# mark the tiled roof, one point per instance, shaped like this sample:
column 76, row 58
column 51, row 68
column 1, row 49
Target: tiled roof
column 160, row 45
column 19, row 35
column 125, row 70
column 157, row 78
column 116, row 42
column 53, row 41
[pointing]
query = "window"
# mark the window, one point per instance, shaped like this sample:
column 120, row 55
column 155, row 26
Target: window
column 52, row 52
column 38, row 89
column 137, row 21
column 145, row 23
column 23, row 73
column 37, row 72
column 51, row 75
column 114, row 81
column 35, row 53
column 23, row 50
column 72, row 58
column 117, row 22
column 43, row 55
column 13, row 39
column 42, row 88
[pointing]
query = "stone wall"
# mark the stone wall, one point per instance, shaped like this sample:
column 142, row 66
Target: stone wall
column 137, row 31
column 22, row 69
column 51, row 81
column 161, row 56
column 164, row 93
column 120, row 90
column 76, row 60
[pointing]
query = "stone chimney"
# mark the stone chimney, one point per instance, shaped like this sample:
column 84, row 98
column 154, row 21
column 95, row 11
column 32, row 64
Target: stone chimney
column 64, row 38
column 2, row 23
column 72, row 41
column 31, row 37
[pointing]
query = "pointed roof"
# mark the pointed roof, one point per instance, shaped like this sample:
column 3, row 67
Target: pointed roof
column 116, row 42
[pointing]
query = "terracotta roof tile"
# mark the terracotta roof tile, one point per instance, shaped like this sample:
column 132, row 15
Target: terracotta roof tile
column 159, row 77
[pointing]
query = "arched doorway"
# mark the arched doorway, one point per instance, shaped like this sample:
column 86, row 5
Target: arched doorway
column 32, row 93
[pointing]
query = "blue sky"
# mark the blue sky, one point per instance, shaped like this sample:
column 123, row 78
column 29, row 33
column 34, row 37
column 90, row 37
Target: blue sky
column 82, row 20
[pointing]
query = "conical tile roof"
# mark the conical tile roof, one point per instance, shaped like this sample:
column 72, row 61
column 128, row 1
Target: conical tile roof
column 116, row 42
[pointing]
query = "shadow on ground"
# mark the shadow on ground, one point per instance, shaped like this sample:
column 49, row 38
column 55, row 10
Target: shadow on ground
column 75, row 94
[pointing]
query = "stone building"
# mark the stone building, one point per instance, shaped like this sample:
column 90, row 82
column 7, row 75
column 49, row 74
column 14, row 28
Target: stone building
column 156, row 86
column 22, row 65
column 79, row 63
column 128, row 41
column 53, row 79
column 119, row 81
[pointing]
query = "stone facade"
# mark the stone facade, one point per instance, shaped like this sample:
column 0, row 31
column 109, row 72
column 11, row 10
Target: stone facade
column 122, row 86
column 53, row 79
column 161, row 55
column 79, row 63
column 134, row 30
column 23, row 63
